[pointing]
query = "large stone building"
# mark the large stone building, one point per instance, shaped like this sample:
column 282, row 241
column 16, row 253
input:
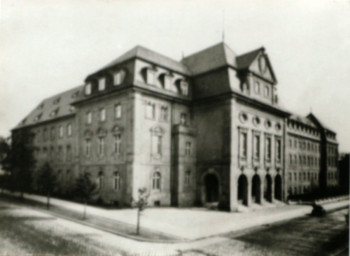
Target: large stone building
column 205, row 129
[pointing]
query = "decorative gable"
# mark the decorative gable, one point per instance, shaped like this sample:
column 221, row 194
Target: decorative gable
column 261, row 67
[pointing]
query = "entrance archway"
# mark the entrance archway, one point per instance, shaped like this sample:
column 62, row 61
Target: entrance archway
column 211, row 188
column 256, row 189
column 278, row 187
column 243, row 189
column 268, row 188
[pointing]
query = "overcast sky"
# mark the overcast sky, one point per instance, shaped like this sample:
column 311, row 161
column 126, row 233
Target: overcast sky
column 50, row 46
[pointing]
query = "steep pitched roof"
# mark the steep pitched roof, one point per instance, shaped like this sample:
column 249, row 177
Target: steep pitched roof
column 149, row 55
column 312, row 116
column 303, row 120
column 53, row 107
column 244, row 60
column 210, row 58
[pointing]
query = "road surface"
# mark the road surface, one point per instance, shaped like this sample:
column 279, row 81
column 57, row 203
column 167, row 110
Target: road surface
column 28, row 231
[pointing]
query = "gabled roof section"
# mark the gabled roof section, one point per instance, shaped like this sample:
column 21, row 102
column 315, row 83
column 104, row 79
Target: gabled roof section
column 56, row 106
column 312, row 117
column 245, row 60
column 151, row 56
column 251, row 60
column 302, row 119
column 210, row 58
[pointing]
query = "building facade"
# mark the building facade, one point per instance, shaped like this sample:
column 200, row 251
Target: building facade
column 204, row 130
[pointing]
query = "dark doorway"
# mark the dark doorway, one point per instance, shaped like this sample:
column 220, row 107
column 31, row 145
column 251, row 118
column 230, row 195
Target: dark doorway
column 256, row 189
column 278, row 187
column 268, row 188
column 243, row 189
column 211, row 188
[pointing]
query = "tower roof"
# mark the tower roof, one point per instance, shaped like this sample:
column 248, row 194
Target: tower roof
column 210, row 58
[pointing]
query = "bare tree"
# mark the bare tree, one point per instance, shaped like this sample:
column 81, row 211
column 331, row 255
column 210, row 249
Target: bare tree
column 141, row 205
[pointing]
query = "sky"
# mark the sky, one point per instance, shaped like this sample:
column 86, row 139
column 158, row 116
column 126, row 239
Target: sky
column 47, row 47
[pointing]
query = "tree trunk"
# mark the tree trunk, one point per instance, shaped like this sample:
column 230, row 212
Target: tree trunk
column 138, row 222
column 84, row 216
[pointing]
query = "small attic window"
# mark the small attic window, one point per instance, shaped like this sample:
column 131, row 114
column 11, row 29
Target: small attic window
column 75, row 94
column 118, row 77
column 57, row 100
column 165, row 80
column 41, row 106
column 182, row 86
column 149, row 75
column 102, row 84
column 71, row 109
column 54, row 112
column 38, row 117
column 88, row 88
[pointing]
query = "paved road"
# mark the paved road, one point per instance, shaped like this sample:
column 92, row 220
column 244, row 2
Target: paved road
column 27, row 231
column 302, row 236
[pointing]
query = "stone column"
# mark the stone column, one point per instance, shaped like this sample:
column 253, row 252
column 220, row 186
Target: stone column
column 249, row 191
column 261, row 199
column 233, row 191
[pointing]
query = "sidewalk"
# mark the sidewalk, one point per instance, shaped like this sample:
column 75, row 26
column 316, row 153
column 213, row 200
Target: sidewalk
column 179, row 224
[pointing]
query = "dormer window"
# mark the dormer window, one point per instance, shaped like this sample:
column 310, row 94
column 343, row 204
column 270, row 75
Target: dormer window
column 118, row 77
column 57, row 100
column 165, row 80
column 182, row 86
column 54, row 112
column 150, row 77
column 38, row 117
column 88, row 88
column 257, row 87
column 102, row 84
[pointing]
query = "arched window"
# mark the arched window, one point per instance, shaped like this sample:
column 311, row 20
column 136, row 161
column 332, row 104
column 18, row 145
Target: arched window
column 116, row 181
column 188, row 177
column 156, row 181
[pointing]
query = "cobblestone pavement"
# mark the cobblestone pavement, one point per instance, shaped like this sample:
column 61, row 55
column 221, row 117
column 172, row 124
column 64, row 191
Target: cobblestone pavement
column 303, row 236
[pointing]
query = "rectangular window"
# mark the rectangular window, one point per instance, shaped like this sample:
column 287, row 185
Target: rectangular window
column 101, row 146
column 188, row 148
column 102, row 114
column 268, row 148
column 117, row 77
column 256, row 146
column 61, row 131
column 164, row 113
column 243, row 145
column 88, row 89
column 69, row 130
column 290, row 159
column 117, row 144
column 102, row 84
column 87, row 147
column 118, row 111
column 68, row 153
column 52, row 133
column 278, row 150
column 150, row 110
column 89, row 117
column 157, row 144
column 183, row 119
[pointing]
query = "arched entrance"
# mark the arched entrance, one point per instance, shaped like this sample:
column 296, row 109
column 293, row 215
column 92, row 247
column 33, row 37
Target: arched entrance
column 256, row 189
column 243, row 189
column 211, row 188
column 278, row 187
column 268, row 188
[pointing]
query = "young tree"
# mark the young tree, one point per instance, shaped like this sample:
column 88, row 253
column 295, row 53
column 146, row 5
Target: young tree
column 21, row 160
column 46, row 181
column 85, row 189
column 141, row 204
